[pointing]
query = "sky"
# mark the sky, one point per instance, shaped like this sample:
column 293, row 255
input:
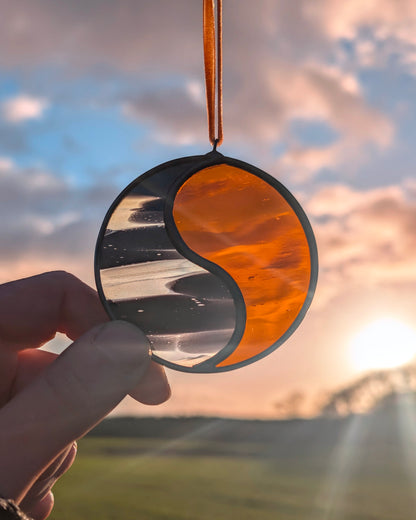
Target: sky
column 320, row 94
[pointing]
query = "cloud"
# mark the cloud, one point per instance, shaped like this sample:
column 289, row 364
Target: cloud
column 5, row 164
column 316, row 93
column 275, row 56
column 365, row 239
column 123, row 35
column 22, row 108
column 330, row 96
column 302, row 160
column 153, row 36
column 50, row 223
column 265, row 92
column 178, row 113
column 346, row 18
column 340, row 200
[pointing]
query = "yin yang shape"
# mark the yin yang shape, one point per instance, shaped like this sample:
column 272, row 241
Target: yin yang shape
column 212, row 258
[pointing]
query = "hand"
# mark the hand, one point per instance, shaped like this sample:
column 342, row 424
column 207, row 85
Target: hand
column 47, row 402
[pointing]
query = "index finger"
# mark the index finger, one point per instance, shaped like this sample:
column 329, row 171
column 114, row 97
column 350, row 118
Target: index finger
column 33, row 309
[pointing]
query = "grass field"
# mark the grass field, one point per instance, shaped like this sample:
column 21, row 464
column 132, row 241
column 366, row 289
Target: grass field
column 355, row 469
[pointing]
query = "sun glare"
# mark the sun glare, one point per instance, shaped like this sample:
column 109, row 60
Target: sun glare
column 385, row 343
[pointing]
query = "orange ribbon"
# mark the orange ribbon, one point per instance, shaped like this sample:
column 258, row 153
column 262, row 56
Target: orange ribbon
column 213, row 69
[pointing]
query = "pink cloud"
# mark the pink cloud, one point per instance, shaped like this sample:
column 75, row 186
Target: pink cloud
column 342, row 19
column 367, row 238
column 6, row 164
column 22, row 108
column 275, row 56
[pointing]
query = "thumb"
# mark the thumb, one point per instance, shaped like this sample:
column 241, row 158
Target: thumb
column 69, row 397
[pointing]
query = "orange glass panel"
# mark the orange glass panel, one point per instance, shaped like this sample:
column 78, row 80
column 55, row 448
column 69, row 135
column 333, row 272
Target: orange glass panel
column 240, row 222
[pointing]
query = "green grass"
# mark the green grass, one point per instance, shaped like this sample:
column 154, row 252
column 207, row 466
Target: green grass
column 203, row 479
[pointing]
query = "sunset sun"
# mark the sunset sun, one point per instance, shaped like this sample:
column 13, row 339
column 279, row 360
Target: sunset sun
column 385, row 343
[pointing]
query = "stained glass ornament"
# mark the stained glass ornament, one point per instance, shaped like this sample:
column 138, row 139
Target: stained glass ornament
column 211, row 257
